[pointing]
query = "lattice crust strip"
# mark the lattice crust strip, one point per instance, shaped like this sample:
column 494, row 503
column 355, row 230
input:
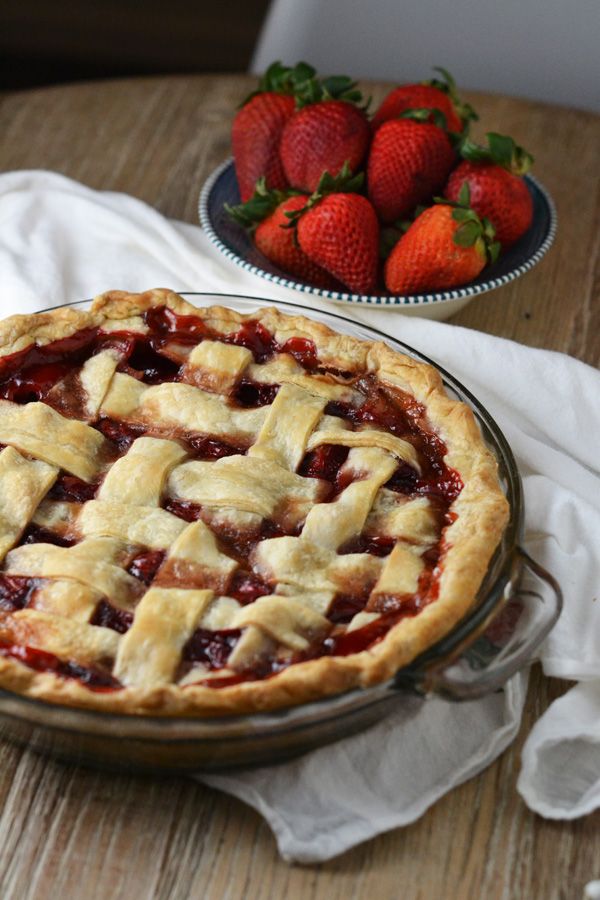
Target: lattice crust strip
column 80, row 394
column 84, row 563
column 164, row 620
column 194, row 558
column 304, row 569
column 179, row 406
column 23, row 484
column 40, row 432
column 65, row 638
column 138, row 478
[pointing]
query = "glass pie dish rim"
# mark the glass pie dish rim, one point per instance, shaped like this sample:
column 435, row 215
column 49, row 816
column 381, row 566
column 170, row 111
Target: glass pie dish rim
column 286, row 719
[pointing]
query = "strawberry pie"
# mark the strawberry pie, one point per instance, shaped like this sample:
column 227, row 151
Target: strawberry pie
column 204, row 512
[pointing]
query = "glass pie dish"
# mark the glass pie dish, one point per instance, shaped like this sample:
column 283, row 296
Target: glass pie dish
column 516, row 606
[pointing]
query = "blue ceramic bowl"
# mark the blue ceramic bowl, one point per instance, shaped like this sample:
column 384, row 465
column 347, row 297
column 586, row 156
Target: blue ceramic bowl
column 235, row 243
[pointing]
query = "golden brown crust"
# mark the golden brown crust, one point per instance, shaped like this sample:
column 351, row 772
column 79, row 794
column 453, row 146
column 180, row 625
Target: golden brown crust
column 481, row 513
column 20, row 331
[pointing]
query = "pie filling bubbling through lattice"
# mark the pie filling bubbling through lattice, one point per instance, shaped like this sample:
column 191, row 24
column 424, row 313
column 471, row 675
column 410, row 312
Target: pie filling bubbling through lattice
column 207, row 508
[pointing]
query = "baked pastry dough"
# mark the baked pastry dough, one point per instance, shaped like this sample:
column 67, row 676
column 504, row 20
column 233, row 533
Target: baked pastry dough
column 203, row 512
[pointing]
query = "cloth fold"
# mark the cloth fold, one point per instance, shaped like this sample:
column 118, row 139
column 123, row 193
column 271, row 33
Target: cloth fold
column 61, row 241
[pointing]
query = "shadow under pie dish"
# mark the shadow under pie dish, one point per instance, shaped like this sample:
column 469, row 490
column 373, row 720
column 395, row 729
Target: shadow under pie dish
column 210, row 513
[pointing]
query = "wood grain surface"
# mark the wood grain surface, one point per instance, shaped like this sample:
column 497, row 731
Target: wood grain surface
column 70, row 832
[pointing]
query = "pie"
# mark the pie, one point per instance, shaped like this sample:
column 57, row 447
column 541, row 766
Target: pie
column 204, row 512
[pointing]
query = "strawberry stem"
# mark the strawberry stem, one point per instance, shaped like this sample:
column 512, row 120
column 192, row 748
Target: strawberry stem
column 261, row 204
column 423, row 114
column 342, row 183
column 448, row 85
column 472, row 229
column 501, row 150
column 284, row 79
column 280, row 79
column 301, row 82
column 335, row 87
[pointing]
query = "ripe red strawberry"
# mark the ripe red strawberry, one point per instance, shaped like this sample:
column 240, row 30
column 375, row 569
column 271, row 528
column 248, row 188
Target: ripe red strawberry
column 340, row 232
column 276, row 239
column 433, row 94
column 266, row 214
column 497, row 189
column 324, row 135
column 255, row 140
column 445, row 246
column 409, row 161
column 257, row 126
column 416, row 96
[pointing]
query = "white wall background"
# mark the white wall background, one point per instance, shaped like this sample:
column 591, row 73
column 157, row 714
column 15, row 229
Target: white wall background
column 544, row 49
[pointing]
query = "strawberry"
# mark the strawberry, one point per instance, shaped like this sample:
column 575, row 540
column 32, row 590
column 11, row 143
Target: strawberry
column 497, row 190
column 447, row 245
column 340, row 232
column 277, row 241
column 267, row 215
column 257, row 127
column 323, row 135
column 435, row 94
column 255, row 139
column 409, row 160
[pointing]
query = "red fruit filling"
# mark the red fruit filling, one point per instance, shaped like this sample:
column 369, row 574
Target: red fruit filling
column 212, row 448
column 171, row 326
column 145, row 363
column 239, row 545
column 376, row 546
column 145, row 565
column 72, row 489
column 184, row 509
column 360, row 639
column 15, row 591
column 35, row 535
column 30, row 373
column 93, row 677
column 250, row 394
column 120, row 433
column 325, row 462
column 34, row 383
column 109, row 616
column 256, row 338
column 303, row 351
column 212, row 648
column 246, row 587
column 344, row 608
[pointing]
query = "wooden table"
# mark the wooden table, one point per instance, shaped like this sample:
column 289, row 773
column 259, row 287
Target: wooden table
column 70, row 832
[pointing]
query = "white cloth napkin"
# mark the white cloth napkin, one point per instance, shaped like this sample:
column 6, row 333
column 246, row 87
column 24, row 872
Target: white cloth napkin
column 60, row 241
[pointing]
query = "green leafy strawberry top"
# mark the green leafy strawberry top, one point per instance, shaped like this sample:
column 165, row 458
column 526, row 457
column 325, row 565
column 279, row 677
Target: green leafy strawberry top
column 345, row 182
column 447, row 84
column 422, row 114
column 261, row 204
column 501, row 150
column 301, row 82
column 472, row 229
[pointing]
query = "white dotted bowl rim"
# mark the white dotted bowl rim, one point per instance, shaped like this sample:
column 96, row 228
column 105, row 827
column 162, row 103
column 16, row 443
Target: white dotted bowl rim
column 375, row 299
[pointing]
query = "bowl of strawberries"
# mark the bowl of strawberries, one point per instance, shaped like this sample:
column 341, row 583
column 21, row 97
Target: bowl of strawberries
column 399, row 209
